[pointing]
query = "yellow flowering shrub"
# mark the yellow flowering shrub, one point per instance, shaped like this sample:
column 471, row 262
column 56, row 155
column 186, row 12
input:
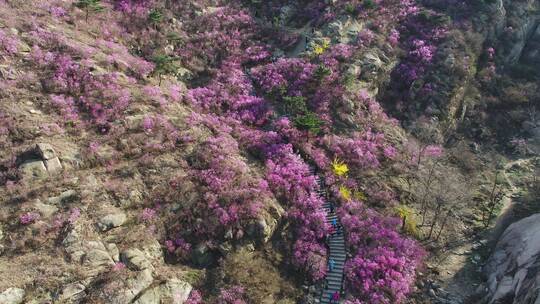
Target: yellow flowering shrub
column 359, row 195
column 319, row 49
column 340, row 168
column 408, row 215
column 345, row 192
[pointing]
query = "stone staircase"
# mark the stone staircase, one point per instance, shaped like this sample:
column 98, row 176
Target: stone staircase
column 338, row 253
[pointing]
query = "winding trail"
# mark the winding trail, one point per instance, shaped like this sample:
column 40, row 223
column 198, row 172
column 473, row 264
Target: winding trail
column 336, row 243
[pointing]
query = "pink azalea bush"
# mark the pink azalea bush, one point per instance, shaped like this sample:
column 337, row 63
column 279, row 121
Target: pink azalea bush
column 195, row 297
column 8, row 44
column 290, row 179
column 223, row 33
column 231, row 295
column 384, row 262
column 229, row 93
column 78, row 93
column 231, row 197
column 28, row 218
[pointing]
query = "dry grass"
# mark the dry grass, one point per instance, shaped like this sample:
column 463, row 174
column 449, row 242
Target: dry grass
column 262, row 279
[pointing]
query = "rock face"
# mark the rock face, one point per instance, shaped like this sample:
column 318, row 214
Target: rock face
column 111, row 221
column 136, row 259
column 131, row 288
column 48, row 155
column 12, row 296
column 47, row 164
column 513, row 270
column 172, row 291
column 517, row 26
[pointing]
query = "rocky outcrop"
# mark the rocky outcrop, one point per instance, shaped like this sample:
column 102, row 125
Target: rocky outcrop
column 531, row 51
column 40, row 162
column 135, row 259
column 125, row 291
column 513, row 270
column 12, row 296
column 172, row 291
column 112, row 220
column 516, row 26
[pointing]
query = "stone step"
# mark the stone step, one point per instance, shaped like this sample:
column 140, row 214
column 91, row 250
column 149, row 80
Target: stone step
column 338, row 237
column 334, row 284
column 339, row 260
column 333, row 281
column 338, row 256
column 335, row 276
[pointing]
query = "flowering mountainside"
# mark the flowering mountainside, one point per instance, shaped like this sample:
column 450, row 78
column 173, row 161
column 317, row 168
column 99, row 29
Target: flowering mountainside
column 160, row 151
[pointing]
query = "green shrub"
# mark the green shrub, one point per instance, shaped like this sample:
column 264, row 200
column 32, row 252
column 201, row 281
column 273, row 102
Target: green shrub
column 369, row 4
column 90, row 6
column 321, row 72
column 164, row 65
column 155, row 16
column 309, row 121
column 294, row 104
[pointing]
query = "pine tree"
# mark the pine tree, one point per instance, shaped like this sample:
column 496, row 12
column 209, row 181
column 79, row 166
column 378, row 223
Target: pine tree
column 164, row 65
column 90, row 6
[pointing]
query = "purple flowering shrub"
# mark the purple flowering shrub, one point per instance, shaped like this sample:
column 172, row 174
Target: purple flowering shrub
column 290, row 179
column 195, row 297
column 28, row 218
column 384, row 262
column 222, row 33
column 8, row 44
column 231, row 197
column 231, row 295
column 118, row 55
column 79, row 94
column 230, row 93
column 288, row 74
column 134, row 7
column 363, row 150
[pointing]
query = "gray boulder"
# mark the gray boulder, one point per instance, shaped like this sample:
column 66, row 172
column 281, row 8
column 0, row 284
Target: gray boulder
column 33, row 169
column 172, row 291
column 513, row 270
column 133, row 286
column 72, row 292
column 135, row 259
column 12, row 296
column 112, row 221
column 45, row 210
column 48, row 155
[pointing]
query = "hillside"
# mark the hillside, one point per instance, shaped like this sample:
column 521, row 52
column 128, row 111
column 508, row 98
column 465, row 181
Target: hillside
column 209, row 151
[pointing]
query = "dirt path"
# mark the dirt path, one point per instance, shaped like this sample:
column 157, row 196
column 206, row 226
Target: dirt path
column 505, row 217
column 459, row 268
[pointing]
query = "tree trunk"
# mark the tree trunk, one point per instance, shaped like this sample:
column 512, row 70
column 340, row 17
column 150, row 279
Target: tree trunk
column 435, row 220
column 442, row 225
column 492, row 201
